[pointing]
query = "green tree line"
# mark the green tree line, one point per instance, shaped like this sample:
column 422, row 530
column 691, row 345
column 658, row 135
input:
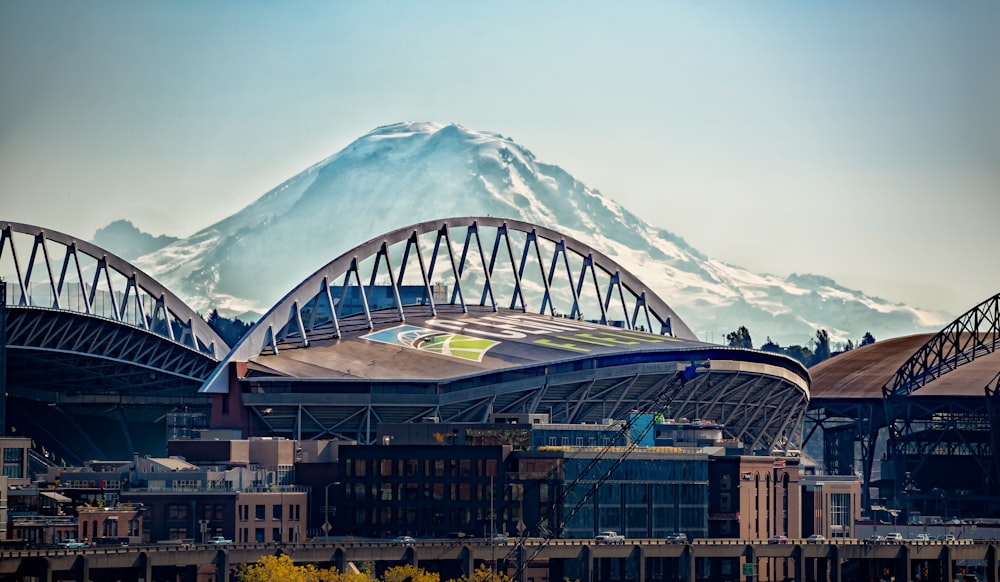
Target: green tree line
column 817, row 350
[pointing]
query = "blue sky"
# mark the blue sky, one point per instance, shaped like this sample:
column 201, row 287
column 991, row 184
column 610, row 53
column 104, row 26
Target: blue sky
column 857, row 140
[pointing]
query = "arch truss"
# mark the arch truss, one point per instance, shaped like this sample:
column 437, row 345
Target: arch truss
column 466, row 262
column 51, row 270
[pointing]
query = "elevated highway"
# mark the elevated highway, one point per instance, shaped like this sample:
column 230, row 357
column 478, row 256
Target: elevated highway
column 638, row 560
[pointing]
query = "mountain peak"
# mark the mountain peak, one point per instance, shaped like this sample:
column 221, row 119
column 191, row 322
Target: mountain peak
column 404, row 173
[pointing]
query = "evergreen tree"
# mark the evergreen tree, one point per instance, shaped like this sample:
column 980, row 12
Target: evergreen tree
column 868, row 339
column 770, row 346
column 822, row 349
column 801, row 353
column 740, row 338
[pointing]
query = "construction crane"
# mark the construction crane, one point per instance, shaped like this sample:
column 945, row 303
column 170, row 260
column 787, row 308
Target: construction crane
column 657, row 406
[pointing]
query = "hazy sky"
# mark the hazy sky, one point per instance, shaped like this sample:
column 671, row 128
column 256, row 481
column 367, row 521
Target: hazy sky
column 857, row 140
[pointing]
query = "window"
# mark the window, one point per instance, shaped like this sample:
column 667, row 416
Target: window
column 258, row 534
column 359, row 468
column 276, row 511
column 177, row 511
column 259, row 513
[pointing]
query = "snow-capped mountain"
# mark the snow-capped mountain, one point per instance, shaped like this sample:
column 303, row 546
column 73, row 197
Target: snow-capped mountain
column 411, row 172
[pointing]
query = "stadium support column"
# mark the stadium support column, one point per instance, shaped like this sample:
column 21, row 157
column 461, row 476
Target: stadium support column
column 3, row 358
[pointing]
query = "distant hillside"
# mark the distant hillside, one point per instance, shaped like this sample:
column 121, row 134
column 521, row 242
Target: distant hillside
column 125, row 240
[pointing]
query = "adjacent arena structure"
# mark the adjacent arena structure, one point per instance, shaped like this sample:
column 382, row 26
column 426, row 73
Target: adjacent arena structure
column 97, row 354
column 917, row 418
column 460, row 319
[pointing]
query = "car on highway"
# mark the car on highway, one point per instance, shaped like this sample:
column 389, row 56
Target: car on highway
column 677, row 538
column 71, row 544
column 497, row 538
column 609, row 537
column 876, row 539
column 403, row 541
column 815, row 539
column 219, row 541
column 894, row 538
column 778, row 539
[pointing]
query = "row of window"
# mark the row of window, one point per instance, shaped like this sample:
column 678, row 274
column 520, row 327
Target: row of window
column 418, row 492
column 260, row 512
column 411, row 518
column 430, row 467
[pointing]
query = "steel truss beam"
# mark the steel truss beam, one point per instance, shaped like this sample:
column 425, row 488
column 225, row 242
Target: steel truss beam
column 97, row 355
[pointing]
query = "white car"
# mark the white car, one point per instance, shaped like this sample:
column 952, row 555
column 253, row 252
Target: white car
column 894, row 538
column 219, row 541
column 71, row 544
column 609, row 537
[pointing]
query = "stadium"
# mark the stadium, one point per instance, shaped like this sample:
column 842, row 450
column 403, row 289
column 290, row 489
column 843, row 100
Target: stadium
column 460, row 319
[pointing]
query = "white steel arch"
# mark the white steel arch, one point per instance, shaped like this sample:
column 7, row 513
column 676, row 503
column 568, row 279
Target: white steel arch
column 527, row 267
column 90, row 280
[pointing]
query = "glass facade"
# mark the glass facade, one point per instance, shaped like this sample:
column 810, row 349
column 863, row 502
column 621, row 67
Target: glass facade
column 641, row 497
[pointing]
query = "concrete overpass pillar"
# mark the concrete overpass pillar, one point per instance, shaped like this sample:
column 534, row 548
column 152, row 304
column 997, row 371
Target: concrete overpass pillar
column 798, row 563
column 687, row 564
column 221, row 566
column 466, row 561
column 751, row 558
column 835, row 565
column 638, row 558
column 904, row 564
column 82, row 567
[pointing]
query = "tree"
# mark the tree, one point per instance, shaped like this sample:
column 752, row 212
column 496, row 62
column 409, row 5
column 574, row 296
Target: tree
column 282, row 569
column 740, row 338
column 868, row 339
column 484, row 574
column 801, row 353
column 822, row 347
column 848, row 346
column 409, row 573
column 770, row 346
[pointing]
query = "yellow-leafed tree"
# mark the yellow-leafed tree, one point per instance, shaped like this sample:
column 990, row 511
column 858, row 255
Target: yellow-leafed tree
column 484, row 574
column 409, row 573
column 282, row 569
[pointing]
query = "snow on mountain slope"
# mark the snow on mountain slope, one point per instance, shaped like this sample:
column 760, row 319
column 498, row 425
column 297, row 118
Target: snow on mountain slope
column 411, row 172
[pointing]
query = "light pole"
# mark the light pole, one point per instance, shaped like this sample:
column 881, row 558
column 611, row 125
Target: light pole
column 326, row 511
column 875, row 510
